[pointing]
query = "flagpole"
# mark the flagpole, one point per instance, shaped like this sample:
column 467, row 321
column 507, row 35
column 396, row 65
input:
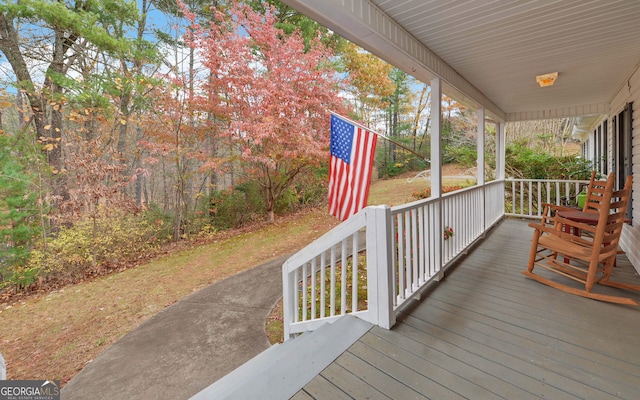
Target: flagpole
column 382, row 136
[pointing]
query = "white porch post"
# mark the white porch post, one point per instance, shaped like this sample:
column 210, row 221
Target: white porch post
column 480, row 148
column 380, row 275
column 481, row 175
column 289, row 294
column 436, row 165
column 500, row 150
column 501, row 140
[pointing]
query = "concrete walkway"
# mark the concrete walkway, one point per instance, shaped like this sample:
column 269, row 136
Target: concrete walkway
column 189, row 345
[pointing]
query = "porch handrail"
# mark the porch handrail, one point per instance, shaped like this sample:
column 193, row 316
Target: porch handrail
column 316, row 284
column 525, row 197
column 379, row 259
column 399, row 250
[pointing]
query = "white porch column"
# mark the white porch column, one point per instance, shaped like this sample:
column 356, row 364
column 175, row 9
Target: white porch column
column 500, row 150
column 480, row 149
column 481, row 174
column 436, row 137
column 436, row 164
column 380, row 273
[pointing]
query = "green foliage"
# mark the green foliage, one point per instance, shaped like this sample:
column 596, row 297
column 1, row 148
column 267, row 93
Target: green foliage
column 290, row 20
column 20, row 277
column 392, row 160
column 465, row 155
column 236, row 206
column 287, row 201
column 163, row 221
column 91, row 21
column 112, row 241
column 310, row 190
column 18, row 210
column 526, row 162
column 310, row 193
column 410, row 163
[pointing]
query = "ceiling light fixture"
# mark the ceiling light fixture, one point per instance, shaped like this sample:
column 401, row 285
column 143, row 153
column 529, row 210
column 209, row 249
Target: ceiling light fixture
column 547, row 79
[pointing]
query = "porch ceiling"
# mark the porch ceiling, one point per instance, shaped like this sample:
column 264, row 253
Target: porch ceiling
column 497, row 47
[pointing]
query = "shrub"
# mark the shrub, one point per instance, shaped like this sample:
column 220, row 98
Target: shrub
column 421, row 194
column 393, row 160
column 464, row 155
column 161, row 220
column 525, row 162
column 245, row 203
column 20, row 277
column 234, row 207
column 426, row 192
column 90, row 246
column 288, row 201
column 312, row 194
column 310, row 189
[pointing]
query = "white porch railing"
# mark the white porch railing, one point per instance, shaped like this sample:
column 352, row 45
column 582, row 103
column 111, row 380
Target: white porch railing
column 333, row 275
column 525, row 197
column 380, row 258
column 419, row 249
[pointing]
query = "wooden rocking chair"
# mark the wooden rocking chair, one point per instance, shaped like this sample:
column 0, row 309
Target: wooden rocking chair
column 592, row 204
column 595, row 191
column 588, row 259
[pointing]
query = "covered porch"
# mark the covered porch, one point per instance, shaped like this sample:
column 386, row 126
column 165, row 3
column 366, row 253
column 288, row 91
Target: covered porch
column 485, row 332
column 480, row 328
column 495, row 58
column 488, row 332
column 488, row 56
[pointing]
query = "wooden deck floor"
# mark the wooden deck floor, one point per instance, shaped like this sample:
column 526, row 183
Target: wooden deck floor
column 488, row 332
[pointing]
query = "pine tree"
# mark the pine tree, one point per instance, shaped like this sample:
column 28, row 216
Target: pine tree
column 19, row 221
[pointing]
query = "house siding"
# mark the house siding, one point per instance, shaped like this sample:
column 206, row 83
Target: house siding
column 630, row 92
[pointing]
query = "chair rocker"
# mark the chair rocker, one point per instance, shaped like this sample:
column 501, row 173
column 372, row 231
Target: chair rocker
column 586, row 258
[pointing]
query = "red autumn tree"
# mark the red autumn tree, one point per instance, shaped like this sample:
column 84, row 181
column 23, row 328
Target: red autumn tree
column 274, row 96
column 174, row 139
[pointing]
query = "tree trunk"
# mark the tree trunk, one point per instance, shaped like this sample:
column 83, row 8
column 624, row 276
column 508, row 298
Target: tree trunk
column 177, row 213
column 39, row 102
column 140, row 179
column 122, row 122
column 271, row 217
column 269, row 201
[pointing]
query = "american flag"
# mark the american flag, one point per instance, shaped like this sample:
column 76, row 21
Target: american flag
column 352, row 152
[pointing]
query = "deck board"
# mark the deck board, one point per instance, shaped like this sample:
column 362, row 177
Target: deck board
column 486, row 332
column 376, row 377
column 322, row 387
column 397, row 369
column 352, row 385
column 410, row 353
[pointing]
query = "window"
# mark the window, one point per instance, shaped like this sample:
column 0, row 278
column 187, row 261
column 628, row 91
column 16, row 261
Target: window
column 600, row 143
column 622, row 157
column 605, row 142
column 597, row 155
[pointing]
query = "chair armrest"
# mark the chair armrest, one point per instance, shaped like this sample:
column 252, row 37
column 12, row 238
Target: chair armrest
column 574, row 224
column 544, row 226
column 557, row 230
column 556, row 207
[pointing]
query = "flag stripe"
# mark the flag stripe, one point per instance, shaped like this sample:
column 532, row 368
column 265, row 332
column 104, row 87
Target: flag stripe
column 352, row 156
